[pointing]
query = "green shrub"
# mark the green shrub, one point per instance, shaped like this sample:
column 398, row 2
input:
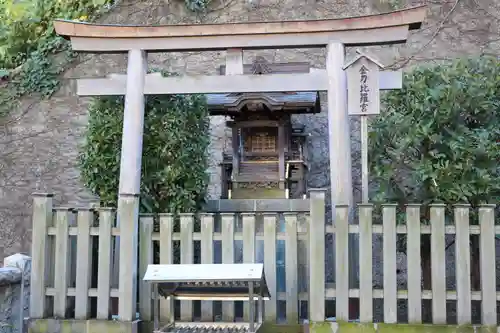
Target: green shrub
column 174, row 158
column 438, row 138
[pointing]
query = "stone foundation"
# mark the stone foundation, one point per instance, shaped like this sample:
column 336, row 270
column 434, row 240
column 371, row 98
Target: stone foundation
column 394, row 328
column 81, row 326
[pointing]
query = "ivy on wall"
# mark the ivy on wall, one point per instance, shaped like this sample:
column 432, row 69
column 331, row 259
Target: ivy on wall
column 29, row 44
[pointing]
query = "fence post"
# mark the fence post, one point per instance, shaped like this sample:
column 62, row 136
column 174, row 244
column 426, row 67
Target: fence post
column 365, row 263
column 342, row 262
column 438, row 258
column 487, row 264
column 187, row 251
column 145, row 258
column 61, row 269
column 207, row 257
column 317, row 255
column 106, row 222
column 389, row 252
column 128, row 215
column 291, row 269
column 414, row 263
column 462, row 263
column 270, row 264
column 227, row 222
column 42, row 216
column 248, row 250
column 83, row 263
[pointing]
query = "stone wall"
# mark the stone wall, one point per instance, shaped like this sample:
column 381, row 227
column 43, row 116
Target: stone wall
column 12, row 299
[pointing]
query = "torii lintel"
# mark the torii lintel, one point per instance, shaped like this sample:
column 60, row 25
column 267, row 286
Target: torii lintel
column 387, row 28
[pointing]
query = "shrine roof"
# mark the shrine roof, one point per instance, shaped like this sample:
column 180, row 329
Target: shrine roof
column 296, row 102
column 291, row 102
column 298, row 97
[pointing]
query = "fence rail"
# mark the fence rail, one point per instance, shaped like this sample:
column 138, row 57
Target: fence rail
column 69, row 279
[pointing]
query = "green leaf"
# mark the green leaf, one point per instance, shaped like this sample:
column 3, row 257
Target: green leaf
column 99, row 2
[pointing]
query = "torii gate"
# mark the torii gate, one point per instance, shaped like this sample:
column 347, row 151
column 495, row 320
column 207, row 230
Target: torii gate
column 137, row 41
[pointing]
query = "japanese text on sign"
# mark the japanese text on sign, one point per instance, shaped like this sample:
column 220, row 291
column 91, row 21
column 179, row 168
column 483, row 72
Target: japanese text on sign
column 363, row 90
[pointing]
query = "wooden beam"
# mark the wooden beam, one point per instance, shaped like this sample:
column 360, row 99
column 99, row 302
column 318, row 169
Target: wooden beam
column 387, row 28
column 275, row 68
column 234, row 62
column 252, row 123
column 367, row 37
column 412, row 17
column 155, row 84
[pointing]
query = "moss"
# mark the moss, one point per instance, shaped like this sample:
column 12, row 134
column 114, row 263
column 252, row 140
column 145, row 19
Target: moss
column 344, row 327
column 38, row 326
column 356, row 328
column 257, row 193
column 80, row 326
column 318, row 327
column 423, row 328
column 341, row 327
column 283, row 328
column 487, row 329
column 108, row 326
column 66, row 326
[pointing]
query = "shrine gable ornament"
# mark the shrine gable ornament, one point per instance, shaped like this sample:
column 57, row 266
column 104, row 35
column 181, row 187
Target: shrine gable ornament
column 363, row 85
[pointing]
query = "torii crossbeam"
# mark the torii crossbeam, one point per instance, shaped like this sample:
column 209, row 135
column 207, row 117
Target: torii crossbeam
column 137, row 41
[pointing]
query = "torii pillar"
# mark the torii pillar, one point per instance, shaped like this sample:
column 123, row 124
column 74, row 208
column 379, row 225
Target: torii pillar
column 130, row 178
column 339, row 134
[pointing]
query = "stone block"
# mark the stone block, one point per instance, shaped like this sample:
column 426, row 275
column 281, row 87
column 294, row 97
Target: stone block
column 9, row 276
column 21, row 262
column 12, row 296
column 18, row 260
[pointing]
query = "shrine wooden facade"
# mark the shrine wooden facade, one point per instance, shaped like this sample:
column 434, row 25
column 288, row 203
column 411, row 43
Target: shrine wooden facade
column 268, row 155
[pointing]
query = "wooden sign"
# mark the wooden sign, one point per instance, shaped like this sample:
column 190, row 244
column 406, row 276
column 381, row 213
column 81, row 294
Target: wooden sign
column 363, row 86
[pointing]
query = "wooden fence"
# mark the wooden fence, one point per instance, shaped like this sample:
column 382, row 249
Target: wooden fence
column 82, row 288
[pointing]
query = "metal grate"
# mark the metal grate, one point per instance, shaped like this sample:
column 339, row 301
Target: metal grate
column 209, row 328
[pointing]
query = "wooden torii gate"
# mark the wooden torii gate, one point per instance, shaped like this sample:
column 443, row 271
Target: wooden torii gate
column 138, row 41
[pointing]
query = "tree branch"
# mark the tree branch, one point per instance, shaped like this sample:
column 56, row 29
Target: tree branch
column 431, row 39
